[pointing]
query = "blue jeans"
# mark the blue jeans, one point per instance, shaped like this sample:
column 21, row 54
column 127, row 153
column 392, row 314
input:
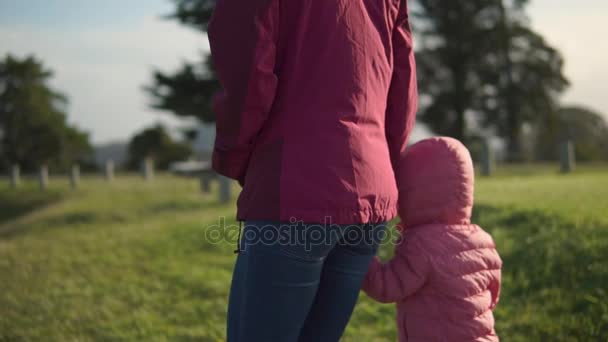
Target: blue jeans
column 298, row 282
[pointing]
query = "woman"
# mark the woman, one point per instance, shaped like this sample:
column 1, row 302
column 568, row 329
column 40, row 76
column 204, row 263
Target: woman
column 319, row 100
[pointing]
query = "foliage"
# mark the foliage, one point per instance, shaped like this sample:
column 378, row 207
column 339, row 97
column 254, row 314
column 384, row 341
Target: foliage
column 130, row 261
column 194, row 13
column 188, row 92
column 480, row 65
column 588, row 130
column 157, row 144
column 481, row 69
column 33, row 123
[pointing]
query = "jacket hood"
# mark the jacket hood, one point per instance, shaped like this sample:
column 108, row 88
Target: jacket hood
column 436, row 183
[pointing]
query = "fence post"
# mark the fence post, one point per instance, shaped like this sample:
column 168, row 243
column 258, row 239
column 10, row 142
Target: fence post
column 487, row 163
column 15, row 176
column 43, row 177
column 75, row 176
column 205, row 182
column 109, row 170
column 148, row 169
column 567, row 157
column 224, row 185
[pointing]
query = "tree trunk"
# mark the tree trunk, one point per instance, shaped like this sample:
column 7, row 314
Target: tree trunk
column 513, row 120
column 460, row 126
column 513, row 139
column 460, row 79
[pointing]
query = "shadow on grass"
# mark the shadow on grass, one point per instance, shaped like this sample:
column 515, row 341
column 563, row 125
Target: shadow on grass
column 554, row 274
column 13, row 206
column 184, row 206
column 18, row 203
column 67, row 220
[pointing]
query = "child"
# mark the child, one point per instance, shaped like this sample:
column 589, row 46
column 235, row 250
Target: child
column 445, row 275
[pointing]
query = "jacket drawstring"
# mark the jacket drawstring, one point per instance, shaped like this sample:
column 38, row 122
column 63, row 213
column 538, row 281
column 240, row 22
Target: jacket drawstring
column 238, row 241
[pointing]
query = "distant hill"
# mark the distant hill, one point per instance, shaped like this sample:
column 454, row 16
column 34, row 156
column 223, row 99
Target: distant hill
column 115, row 151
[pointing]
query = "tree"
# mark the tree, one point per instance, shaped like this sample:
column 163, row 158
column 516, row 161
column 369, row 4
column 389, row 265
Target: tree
column 480, row 62
column 156, row 143
column 586, row 129
column 189, row 91
column 186, row 93
column 32, row 119
column 480, row 67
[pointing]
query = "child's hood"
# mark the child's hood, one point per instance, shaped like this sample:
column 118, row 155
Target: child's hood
column 436, row 183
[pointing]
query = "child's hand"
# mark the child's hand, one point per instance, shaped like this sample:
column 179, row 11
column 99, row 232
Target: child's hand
column 374, row 264
column 373, row 268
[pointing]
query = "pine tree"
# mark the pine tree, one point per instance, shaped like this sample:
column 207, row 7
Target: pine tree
column 188, row 92
column 481, row 66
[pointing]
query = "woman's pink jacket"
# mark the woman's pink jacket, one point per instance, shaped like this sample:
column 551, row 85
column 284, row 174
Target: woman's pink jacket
column 319, row 100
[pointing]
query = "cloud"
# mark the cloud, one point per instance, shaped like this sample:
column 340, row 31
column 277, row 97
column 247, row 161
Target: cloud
column 102, row 70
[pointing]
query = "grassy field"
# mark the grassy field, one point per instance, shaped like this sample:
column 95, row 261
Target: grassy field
column 129, row 261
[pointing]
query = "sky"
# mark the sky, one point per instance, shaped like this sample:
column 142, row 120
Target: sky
column 104, row 52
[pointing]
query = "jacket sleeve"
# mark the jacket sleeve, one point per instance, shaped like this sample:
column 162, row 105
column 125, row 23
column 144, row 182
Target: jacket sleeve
column 402, row 102
column 397, row 279
column 494, row 286
column 495, row 290
column 243, row 39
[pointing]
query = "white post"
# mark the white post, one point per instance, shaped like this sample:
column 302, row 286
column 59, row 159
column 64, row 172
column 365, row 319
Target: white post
column 224, row 185
column 487, row 163
column 205, row 182
column 109, row 170
column 44, row 177
column 148, row 169
column 75, row 176
column 15, row 176
column 567, row 157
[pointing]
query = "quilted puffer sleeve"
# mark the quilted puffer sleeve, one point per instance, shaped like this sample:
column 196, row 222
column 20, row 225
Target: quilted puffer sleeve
column 397, row 279
column 495, row 290
column 243, row 38
column 402, row 103
column 495, row 282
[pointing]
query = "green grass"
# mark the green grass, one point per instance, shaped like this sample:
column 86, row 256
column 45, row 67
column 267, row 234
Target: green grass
column 552, row 232
column 129, row 261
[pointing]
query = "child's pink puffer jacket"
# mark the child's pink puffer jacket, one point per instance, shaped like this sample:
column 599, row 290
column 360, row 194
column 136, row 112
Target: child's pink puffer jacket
column 445, row 275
